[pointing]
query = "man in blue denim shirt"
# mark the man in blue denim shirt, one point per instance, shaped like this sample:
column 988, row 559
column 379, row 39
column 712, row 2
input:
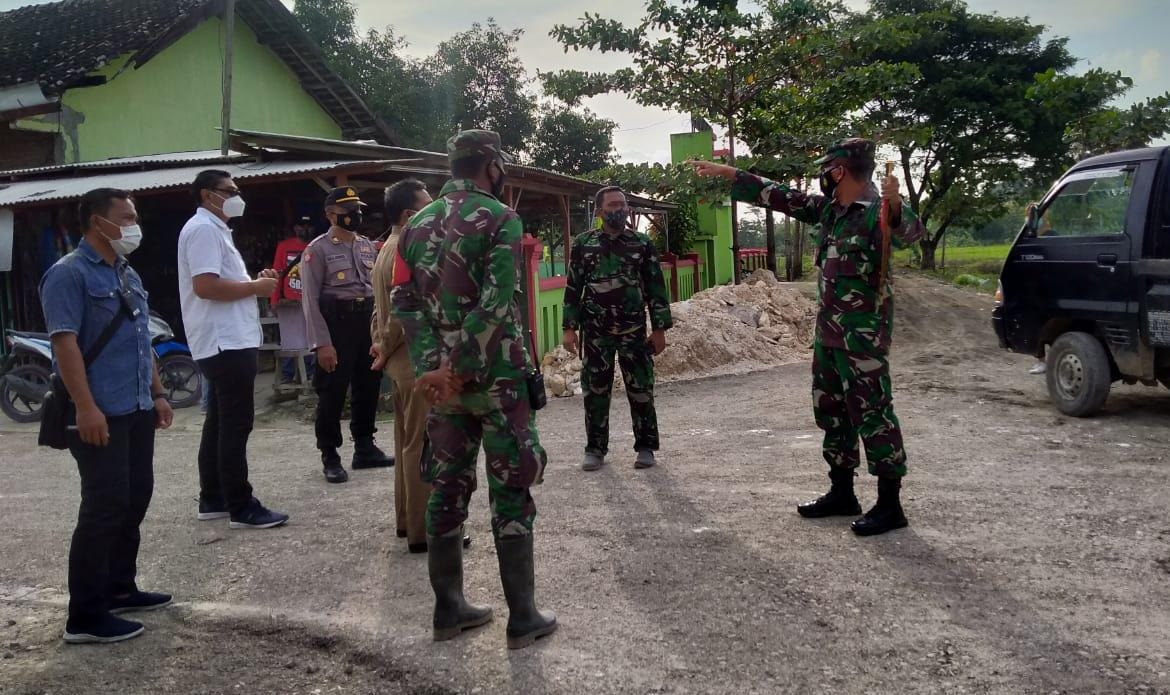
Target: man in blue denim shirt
column 119, row 403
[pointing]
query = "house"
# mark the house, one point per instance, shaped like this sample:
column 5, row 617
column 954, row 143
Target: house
column 88, row 80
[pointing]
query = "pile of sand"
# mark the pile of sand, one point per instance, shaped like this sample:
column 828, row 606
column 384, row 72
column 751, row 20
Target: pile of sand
column 725, row 330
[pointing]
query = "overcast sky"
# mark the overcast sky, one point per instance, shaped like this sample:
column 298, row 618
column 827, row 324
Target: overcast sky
column 1126, row 35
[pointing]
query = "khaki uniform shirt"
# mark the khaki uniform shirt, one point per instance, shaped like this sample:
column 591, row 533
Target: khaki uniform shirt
column 332, row 269
column 386, row 330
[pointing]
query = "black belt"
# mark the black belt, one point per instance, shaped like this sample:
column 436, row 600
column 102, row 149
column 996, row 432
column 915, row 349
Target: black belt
column 361, row 305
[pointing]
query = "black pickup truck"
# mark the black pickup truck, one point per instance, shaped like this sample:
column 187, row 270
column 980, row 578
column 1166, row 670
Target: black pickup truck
column 1087, row 282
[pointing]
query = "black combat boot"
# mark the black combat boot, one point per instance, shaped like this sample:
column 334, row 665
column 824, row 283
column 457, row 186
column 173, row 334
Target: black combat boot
column 453, row 614
column 366, row 454
column 526, row 623
column 331, row 461
column 887, row 514
column 838, row 501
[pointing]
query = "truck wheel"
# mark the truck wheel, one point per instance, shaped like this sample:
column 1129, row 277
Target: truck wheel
column 1079, row 375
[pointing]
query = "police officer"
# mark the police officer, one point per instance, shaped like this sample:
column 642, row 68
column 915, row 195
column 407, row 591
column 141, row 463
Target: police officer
column 338, row 300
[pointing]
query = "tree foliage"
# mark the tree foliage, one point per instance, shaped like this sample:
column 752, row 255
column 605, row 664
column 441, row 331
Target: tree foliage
column 991, row 95
column 481, row 83
column 572, row 141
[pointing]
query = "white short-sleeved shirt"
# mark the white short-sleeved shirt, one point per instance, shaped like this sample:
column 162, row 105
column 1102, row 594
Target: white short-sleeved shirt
column 206, row 246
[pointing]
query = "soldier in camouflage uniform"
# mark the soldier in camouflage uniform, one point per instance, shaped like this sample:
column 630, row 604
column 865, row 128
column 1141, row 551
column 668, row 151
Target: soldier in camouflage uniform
column 456, row 294
column 851, row 375
column 614, row 275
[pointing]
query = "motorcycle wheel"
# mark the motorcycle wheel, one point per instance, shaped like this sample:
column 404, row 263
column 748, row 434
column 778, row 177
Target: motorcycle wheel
column 14, row 398
column 181, row 380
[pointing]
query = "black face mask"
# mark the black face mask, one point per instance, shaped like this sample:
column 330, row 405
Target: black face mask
column 498, row 184
column 351, row 221
column 828, row 184
column 303, row 233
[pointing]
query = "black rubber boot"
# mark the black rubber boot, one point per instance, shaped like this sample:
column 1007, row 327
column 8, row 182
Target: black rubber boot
column 887, row 514
column 366, row 454
column 526, row 623
column 838, row 501
column 331, row 461
column 453, row 614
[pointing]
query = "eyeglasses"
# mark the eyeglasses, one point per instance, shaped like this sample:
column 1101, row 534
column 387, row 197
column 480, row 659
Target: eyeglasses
column 226, row 191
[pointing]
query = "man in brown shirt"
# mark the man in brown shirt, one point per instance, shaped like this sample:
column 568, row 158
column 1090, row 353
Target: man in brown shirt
column 402, row 201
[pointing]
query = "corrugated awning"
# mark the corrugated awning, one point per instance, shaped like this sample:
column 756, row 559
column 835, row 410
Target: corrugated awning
column 50, row 190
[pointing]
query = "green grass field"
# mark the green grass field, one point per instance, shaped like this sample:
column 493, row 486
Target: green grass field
column 969, row 266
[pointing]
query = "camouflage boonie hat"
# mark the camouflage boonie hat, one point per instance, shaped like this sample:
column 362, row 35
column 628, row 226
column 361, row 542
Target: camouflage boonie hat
column 472, row 143
column 853, row 149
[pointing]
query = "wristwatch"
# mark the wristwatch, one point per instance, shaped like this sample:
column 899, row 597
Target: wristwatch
column 157, row 396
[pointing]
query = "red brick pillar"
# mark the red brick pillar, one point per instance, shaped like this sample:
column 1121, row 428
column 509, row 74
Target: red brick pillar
column 671, row 260
column 531, row 251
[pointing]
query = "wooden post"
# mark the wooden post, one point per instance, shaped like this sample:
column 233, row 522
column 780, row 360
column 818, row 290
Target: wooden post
column 229, row 18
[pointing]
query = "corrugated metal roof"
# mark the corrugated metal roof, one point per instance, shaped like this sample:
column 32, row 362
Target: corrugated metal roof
column 205, row 156
column 50, row 190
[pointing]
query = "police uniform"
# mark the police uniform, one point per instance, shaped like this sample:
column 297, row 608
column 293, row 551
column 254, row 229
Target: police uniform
column 338, row 300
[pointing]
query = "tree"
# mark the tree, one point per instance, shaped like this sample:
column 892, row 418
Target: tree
column 395, row 86
column 703, row 57
column 481, row 83
column 572, row 142
column 979, row 108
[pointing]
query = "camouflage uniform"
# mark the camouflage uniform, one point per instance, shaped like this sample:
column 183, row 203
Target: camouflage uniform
column 851, row 377
column 456, row 294
column 612, row 280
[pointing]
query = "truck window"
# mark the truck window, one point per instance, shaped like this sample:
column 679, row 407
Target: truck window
column 1090, row 204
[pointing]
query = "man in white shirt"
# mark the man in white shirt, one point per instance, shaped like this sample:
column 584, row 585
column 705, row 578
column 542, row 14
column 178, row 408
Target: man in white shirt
column 222, row 321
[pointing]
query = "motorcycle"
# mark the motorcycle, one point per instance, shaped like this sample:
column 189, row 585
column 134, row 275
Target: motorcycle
column 24, row 375
column 26, row 370
column 180, row 376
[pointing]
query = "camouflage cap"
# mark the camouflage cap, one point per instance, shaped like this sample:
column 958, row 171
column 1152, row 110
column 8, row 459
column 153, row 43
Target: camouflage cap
column 857, row 150
column 472, row 143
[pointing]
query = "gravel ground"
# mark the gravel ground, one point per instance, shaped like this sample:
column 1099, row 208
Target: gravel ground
column 1036, row 560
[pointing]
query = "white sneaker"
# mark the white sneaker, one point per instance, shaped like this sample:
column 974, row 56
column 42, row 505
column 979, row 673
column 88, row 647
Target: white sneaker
column 1038, row 368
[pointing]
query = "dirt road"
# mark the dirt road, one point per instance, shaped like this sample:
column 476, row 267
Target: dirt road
column 1037, row 559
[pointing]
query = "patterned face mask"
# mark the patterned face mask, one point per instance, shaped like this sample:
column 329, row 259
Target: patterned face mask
column 616, row 219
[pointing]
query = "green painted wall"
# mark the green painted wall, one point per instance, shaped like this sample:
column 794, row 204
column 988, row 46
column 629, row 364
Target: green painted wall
column 172, row 103
column 714, row 244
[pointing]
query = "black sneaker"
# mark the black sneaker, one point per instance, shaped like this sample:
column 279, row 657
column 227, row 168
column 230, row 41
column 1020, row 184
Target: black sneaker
column 104, row 631
column 255, row 515
column 139, row 601
column 210, row 511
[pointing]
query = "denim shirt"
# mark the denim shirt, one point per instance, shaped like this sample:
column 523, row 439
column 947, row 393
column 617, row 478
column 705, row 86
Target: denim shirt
column 79, row 295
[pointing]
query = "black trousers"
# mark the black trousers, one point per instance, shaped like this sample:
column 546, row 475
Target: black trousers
column 351, row 338
column 117, row 481
column 231, row 411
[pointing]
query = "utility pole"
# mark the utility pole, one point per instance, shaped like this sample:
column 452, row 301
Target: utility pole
column 731, row 101
column 229, row 18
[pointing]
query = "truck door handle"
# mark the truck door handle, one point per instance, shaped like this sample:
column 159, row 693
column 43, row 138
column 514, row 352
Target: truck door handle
column 1107, row 259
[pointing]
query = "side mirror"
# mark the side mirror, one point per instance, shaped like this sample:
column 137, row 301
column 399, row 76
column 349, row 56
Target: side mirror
column 1031, row 219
